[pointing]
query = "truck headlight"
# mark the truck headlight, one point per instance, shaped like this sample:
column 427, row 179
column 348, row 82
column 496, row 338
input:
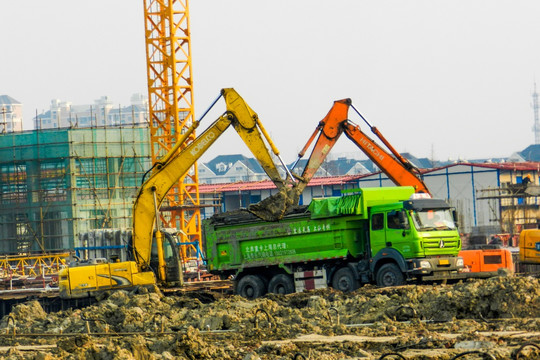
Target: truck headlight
column 459, row 262
column 424, row 264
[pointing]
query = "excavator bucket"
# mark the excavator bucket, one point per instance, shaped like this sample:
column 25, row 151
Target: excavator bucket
column 274, row 207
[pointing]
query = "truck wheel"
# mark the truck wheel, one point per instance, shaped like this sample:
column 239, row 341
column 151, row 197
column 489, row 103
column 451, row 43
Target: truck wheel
column 281, row 284
column 250, row 287
column 390, row 275
column 344, row 280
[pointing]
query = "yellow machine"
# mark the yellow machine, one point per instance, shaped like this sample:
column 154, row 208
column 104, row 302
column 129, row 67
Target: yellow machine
column 529, row 246
column 97, row 275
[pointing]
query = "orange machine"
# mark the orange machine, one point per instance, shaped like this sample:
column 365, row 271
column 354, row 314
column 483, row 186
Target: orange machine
column 486, row 262
column 529, row 252
column 396, row 167
column 529, row 246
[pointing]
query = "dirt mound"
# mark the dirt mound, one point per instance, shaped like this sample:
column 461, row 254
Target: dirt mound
column 419, row 322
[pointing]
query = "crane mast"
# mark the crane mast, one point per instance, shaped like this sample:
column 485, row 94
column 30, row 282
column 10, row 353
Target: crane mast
column 170, row 95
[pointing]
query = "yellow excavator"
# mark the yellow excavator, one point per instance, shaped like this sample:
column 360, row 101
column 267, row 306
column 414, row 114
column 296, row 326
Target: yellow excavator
column 92, row 277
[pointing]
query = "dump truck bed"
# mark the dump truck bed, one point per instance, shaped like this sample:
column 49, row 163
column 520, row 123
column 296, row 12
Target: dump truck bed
column 329, row 228
column 296, row 238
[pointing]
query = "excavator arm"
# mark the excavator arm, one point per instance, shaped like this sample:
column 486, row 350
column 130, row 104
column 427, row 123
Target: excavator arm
column 329, row 130
column 400, row 171
column 176, row 163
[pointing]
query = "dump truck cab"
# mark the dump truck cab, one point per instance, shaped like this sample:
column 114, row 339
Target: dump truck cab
column 418, row 237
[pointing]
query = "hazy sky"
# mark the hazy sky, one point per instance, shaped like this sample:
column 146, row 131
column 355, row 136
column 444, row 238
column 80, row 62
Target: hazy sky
column 452, row 79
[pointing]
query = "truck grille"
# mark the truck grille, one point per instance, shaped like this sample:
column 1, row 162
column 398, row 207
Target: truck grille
column 440, row 245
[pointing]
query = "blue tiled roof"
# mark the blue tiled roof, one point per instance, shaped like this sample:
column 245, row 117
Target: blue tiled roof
column 231, row 159
column 8, row 100
column 531, row 153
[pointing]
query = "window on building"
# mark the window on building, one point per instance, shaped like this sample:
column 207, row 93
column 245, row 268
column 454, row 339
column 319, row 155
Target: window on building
column 221, row 167
column 13, row 186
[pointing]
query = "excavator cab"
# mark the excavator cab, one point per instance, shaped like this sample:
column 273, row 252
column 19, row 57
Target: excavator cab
column 171, row 256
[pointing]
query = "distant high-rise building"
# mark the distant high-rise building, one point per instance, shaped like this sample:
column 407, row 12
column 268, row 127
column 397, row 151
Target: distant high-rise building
column 10, row 114
column 103, row 112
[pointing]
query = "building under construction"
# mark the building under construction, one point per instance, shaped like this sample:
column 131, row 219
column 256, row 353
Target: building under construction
column 56, row 184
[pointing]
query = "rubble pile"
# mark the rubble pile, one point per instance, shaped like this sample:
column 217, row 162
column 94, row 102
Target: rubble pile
column 495, row 315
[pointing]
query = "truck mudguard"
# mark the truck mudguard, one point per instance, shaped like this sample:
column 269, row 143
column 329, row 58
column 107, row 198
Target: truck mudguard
column 387, row 254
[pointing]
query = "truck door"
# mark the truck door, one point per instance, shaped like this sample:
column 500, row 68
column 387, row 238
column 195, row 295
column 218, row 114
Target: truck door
column 387, row 231
column 396, row 236
column 377, row 234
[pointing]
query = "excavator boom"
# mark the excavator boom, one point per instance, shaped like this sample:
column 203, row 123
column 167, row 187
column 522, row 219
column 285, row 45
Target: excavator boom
column 175, row 164
column 335, row 123
column 329, row 130
column 396, row 170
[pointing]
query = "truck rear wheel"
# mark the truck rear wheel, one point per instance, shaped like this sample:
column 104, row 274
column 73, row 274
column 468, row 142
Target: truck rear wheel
column 390, row 275
column 344, row 280
column 281, row 284
column 251, row 287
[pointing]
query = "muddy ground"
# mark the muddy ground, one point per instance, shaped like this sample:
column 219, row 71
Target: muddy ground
column 492, row 318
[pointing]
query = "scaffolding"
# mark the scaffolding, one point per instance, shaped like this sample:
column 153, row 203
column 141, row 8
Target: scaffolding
column 518, row 206
column 58, row 183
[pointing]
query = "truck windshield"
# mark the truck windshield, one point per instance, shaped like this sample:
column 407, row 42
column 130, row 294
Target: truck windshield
column 426, row 220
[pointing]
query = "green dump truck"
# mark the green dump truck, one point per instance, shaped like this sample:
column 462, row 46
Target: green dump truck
column 373, row 235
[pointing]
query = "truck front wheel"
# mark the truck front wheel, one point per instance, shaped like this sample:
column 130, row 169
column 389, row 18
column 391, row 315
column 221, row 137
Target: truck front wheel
column 344, row 280
column 281, row 284
column 390, row 275
column 250, row 287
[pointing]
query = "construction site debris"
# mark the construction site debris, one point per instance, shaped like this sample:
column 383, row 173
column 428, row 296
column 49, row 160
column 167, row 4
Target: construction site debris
column 497, row 316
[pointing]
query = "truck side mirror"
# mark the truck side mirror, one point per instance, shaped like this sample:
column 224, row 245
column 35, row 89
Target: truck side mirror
column 455, row 217
column 403, row 220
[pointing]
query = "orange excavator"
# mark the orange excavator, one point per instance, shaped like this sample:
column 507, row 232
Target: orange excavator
column 479, row 263
column 329, row 130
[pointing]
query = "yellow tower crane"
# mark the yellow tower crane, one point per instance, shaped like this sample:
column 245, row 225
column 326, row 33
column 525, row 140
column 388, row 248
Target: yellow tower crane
column 170, row 94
